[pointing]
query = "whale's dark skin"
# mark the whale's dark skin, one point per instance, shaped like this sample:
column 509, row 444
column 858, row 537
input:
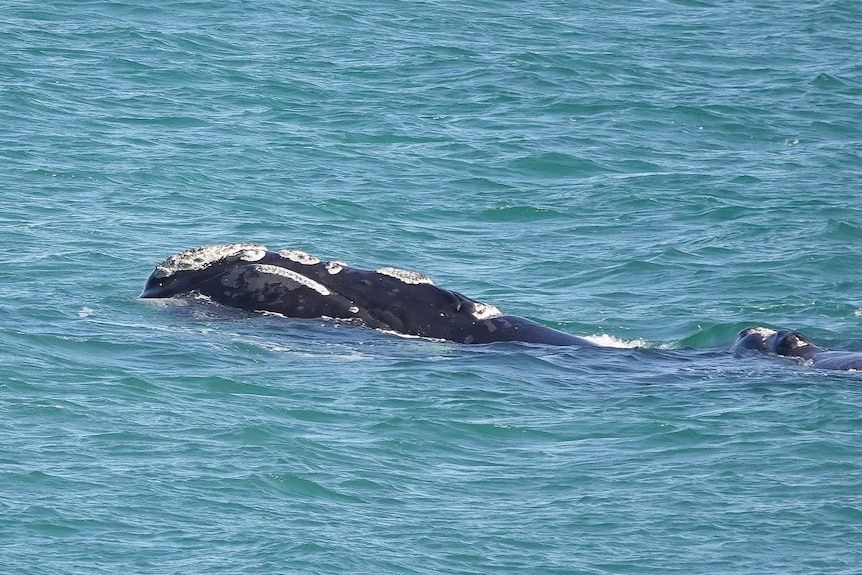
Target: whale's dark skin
column 794, row 345
column 298, row 285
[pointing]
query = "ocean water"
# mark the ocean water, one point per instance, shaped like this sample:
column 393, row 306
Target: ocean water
column 655, row 176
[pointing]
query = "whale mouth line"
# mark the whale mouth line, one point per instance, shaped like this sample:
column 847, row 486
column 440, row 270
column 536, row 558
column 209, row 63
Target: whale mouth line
column 147, row 294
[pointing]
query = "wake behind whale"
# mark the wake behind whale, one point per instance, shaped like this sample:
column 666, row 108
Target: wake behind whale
column 298, row 285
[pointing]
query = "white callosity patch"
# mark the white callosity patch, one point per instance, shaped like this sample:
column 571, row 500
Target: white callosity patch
column 406, row 276
column 292, row 275
column 299, row 257
column 199, row 258
column 485, row 311
column 335, row 266
column 795, row 342
column 763, row 332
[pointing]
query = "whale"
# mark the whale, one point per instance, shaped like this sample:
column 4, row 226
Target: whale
column 794, row 345
column 296, row 284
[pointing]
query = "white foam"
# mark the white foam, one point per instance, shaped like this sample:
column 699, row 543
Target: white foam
column 292, row 275
column 406, row 276
column 299, row 256
column 406, row 335
column 605, row 340
column 199, row 258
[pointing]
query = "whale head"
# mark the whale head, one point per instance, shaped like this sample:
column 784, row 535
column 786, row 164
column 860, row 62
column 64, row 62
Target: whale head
column 790, row 343
column 753, row 339
column 182, row 272
column 779, row 342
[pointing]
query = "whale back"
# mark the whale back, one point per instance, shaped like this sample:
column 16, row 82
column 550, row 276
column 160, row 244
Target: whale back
column 297, row 284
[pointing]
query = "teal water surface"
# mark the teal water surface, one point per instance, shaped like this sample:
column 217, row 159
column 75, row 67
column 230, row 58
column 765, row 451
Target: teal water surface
column 652, row 176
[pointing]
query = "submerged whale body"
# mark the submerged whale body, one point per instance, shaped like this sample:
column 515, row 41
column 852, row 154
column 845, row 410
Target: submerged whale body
column 794, row 345
column 299, row 285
